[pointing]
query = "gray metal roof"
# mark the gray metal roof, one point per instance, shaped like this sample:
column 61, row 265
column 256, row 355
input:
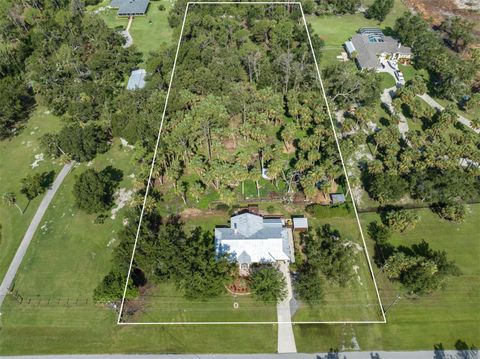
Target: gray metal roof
column 337, row 197
column 349, row 47
column 244, row 258
column 130, row 7
column 137, row 79
column 251, row 226
column 370, row 45
column 300, row 222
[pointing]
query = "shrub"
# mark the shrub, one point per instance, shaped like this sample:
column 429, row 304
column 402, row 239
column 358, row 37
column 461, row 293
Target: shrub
column 161, row 7
column 399, row 220
column 308, row 285
column 378, row 232
column 267, row 284
column 451, row 211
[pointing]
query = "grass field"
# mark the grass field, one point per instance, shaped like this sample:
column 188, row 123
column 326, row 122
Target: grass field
column 358, row 300
column 65, row 262
column 148, row 32
column 335, row 30
column 442, row 317
column 16, row 157
column 164, row 303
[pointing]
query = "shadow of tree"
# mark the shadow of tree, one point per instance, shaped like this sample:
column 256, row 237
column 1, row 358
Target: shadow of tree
column 46, row 179
column 464, row 351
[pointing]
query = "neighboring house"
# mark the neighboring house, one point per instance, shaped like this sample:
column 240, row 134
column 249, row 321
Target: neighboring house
column 130, row 7
column 254, row 239
column 136, row 79
column 370, row 44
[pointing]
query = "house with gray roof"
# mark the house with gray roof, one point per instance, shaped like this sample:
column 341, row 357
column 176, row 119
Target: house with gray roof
column 370, row 44
column 251, row 238
column 130, row 7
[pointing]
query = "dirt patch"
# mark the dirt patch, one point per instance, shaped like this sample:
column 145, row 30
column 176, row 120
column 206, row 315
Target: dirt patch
column 122, row 197
column 437, row 10
column 195, row 212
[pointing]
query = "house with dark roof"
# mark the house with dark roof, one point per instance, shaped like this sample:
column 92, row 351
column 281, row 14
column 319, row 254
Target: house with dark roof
column 130, row 7
column 251, row 238
column 370, row 44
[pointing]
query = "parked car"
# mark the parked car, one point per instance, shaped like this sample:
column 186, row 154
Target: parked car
column 399, row 77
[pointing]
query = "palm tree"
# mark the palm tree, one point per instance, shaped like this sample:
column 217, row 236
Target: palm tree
column 10, row 199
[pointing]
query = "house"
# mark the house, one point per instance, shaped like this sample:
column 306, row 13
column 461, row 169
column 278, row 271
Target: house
column 136, row 79
column 370, row 44
column 337, row 198
column 130, row 7
column 300, row 224
column 251, row 238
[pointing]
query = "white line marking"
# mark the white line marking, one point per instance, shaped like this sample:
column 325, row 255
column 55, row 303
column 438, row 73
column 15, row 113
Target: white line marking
column 119, row 322
column 243, row 323
column 343, row 165
column 152, row 167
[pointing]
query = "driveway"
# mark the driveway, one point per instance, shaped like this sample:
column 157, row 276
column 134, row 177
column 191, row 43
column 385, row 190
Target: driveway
column 286, row 339
column 22, row 249
column 386, row 98
column 425, row 97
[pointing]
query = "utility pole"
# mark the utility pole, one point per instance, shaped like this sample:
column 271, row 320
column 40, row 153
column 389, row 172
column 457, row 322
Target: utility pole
column 397, row 298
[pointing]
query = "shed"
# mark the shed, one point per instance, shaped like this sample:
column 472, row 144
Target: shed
column 337, row 198
column 300, row 224
column 137, row 79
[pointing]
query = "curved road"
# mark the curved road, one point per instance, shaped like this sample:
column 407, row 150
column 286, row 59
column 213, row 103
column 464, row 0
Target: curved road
column 27, row 238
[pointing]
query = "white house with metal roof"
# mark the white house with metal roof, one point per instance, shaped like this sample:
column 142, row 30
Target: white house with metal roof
column 252, row 238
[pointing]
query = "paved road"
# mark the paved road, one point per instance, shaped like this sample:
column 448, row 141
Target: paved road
column 427, row 354
column 286, row 339
column 425, row 97
column 22, row 249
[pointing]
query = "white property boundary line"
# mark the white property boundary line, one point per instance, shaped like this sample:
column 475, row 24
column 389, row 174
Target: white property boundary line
column 119, row 320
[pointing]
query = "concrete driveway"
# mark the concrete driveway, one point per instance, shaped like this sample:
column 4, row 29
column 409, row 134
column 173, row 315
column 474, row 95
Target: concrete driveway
column 286, row 339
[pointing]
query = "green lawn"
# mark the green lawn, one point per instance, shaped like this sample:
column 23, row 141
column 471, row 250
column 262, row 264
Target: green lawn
column 66, row 260
column 335, row 30
column 16, row 157
column 358, row 300
column 148, row 32
column 164, row 303
column 443, row 317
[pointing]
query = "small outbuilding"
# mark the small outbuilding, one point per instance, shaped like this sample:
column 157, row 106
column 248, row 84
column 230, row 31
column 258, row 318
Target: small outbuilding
column 136, row 79
column 130, row 7
column 300, row 224
column 337, row 198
